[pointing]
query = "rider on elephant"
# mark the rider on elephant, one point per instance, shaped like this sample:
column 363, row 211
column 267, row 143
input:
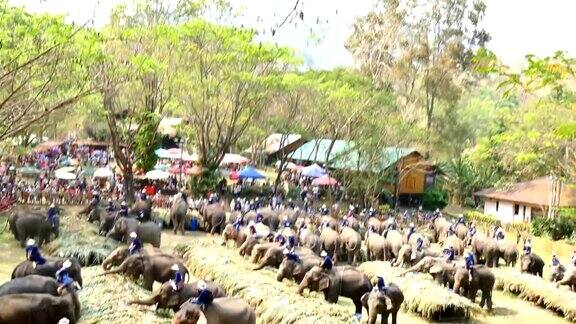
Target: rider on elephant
column 291, row 243
column 498, row 232
column 573, row 259
column 95, row 199
column 291, row 255
column 372, row 228
column 237, row 205
column 286, row 223
column 469, row 263
column 327, row 262
column 136, row 244
column 280, row 239
column 63, row 276
column 33, row 253
column 290, row 203
column 371, row 213
column 351, row 210
column 391, row 224
column 123, row 210
column 472, row 230
column 436, row 214
column 178, row 280
column 205, row 296
column 239, row 222
column 411, row 230
column 449, row 253
column 555, row 260
column 110, row 207
column 324, row 211
column 419, row 244
column 527, row 247
column 257, row 203
column 53, row 215
column 259, row 217
column 381, row 287
column 344, row 221
column 143, row 196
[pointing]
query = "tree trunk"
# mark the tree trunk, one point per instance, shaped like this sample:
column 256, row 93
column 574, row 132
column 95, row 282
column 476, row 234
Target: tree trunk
column 129, row 186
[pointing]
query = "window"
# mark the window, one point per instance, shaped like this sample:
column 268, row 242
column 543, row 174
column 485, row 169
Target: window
column 497, row 205
column 516, row 209
column 523, row 210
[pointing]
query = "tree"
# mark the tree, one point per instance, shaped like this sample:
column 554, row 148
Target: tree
column 34, row 53
column 420, row 50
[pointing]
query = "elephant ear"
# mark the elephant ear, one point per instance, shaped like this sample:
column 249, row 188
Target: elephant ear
column 202, row 318
column 435, row 269
column 364, row 300
column 324, row 283
column 297, row 271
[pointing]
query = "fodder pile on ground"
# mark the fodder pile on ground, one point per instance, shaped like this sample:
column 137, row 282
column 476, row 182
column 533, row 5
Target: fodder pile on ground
column 536, row 290
column 273, row 301
column 81, row 241
column 103, row 300
column 421, row 294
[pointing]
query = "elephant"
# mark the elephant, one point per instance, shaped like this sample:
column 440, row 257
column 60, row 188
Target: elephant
column 376, row 224
column 296, row 269
column 33, row 308
column 142, row 210
column 330, row 242
column 226, row 310
column 409, row 255
column 247, row 248
column 311, row 240
column 455, row 243
column 32, row 284
column 568, row 279
column 375, row 246
column 48, row 269
column 375, row 303
column 557, row 273
column 116, row 257
column 345, row 281
column 239, row 236
column 393, row 244
column 442, row 226
column 440, row 269
column 148, row 232
column 413, row 240
column 351, row 242
column 485, row 250
column 178, row 213
column 105, row 219
column 214, row 217
column 482, row 279
column 168, row 298
column 532, row 264
column 151, row 267
column 461, row 231
column 507, row 251
column 331, row 221
column 275, row 255
column 353, row 223
column 269, row 217
column 31, row 225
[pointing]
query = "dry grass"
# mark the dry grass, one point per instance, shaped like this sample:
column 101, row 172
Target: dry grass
column 422, row 295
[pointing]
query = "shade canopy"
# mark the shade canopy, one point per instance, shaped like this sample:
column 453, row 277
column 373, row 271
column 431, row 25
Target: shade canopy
column 64, row 175
column 324, row 181
column 230, row 158
column 103, row 173
column 175, row 154
column 66, row 169
column 157, row 175
column 314, row 171
column 250, row 173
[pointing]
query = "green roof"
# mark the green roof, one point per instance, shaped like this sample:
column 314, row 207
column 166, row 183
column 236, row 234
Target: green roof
column 353, row 160
column 317, row 150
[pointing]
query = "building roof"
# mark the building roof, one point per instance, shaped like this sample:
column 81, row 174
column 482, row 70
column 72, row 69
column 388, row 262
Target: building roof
column 317, row 150
column 353, row 160
column 535, row 192
column 274, row 143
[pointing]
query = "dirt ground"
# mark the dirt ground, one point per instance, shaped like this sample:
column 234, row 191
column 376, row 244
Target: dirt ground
column 507, row 308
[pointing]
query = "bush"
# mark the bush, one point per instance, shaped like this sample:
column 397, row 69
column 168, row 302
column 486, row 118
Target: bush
column 488, row 221
column 562, row 227
column 434, row 198
column 204, row 183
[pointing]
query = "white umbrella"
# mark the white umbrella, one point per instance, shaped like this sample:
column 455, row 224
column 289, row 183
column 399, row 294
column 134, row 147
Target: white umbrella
column 64, row 175
column 157, row 175
column 66, row 169
column 230, row 158
column 103, row 173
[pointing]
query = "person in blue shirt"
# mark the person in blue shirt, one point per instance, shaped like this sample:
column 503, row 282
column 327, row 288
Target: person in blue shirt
column 498, row 232
column 291, row 243
column 391, row 224
column 237, row 205
column 63, row 276
column 178, row 281
column 280, row 239
column 344, row 222
column 327, row 262
column 411, row 230
column 291, row 255
column 33, row 253
column 469, row 259
column 143, row 196
column 205, row 296
column 286, row 222
column 555, row 260
column 371, row 213
column 257, row 203
column 136, row 245
column 419, row 244
column 381, row 287
column 259, row 217
column 449, row 253
column 239, row 222
column 324, row 211
column 123, row 210
column 110, row 207
column 472, row 230
column 527, row 247
column 290, row 203
column 95, row 199
column 53, row 215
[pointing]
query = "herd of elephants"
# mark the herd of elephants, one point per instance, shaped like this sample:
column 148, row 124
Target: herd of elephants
column 302, row 246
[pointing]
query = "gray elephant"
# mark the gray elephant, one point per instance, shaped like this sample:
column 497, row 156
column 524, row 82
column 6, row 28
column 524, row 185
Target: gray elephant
column 532, row 264
column 454, row 242
column 568, row 279
column 375, row 246
column 461, row 231
column 105, row 219
column 442, row 226
column 32, row 284
column 168, row 298
column 375, row 304
column 40, row 308
column 507, row 251
column 440, row 269
column 148, row 232
column 214, row 217
column 351, row 242
column 557, row 272
column 482, row 279
column 297, row 269
column 231, row 232
column 48, row 269
column 311, row 240
column 393, row 244
column 330, row 242
column 33, row 226
column 485, row 250
column 408, row 255
column 375, row 223
column 178, row 213
column 345, row 281
column 118, row 255
column 142, row 210
column 331, row 221
column 153, row 268
column 275, row 255
column 225, row 310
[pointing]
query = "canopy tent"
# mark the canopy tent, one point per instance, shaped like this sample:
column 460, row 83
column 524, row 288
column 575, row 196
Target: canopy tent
column 234, row 175
column 314, row 171
column 230, row 158
column 287, row 165
column 157, row 175
column 161, row 167
column 66, row 169
column 103, row 173
column 324, row 181
column 250, row 173
column 29, row 171
column 64, row 175
column 175, row 154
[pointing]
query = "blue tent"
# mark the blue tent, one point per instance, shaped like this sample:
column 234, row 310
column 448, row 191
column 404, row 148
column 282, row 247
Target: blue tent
column 314, row 171
column 250, row 173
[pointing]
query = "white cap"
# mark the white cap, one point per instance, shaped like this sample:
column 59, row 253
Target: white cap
column 351, row 207
column 30, row 242
column 64, row 320
column 323, row 253
column 109, row 199
column 52, row 205
column 67, row 264
column 143, row 190
column 123, row 203
column 175, row 267
column 94, row 192
column 323, row 206
column 133, row 235
column 201, row 284
column 411, row 225
column 285, row 251
column 460, row 215
column 437, row 210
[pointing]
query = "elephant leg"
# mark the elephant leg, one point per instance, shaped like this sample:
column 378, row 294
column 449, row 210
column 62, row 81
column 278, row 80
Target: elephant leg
column 372, row 315
column 368, row 254
column 394, row 317
column 148, row 282
column 358, row 306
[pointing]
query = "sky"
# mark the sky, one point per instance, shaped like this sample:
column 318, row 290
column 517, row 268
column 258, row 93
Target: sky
column 517, row 27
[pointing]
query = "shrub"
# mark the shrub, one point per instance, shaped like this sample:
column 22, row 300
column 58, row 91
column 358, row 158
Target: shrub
column 434, row 198
column 488, row 221
column 562, row 227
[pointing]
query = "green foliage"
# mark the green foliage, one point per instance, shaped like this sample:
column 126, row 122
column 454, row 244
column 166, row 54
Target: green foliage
column 561, row 227
column 147, row 141
column 462, row 178
column 204, row 183
column 487, row 221
column 434, row 198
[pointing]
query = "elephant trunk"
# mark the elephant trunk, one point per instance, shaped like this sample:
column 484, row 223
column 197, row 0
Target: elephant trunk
column 148, row 302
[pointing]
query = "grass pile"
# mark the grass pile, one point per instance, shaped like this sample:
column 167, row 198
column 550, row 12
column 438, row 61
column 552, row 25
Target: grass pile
column 422, row 295
column 103, row 300
column 273, row 301
column 537, row 290
column 80, row 240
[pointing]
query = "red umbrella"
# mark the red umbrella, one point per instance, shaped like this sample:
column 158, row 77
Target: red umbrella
column 234, row 175
column 324, row 181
